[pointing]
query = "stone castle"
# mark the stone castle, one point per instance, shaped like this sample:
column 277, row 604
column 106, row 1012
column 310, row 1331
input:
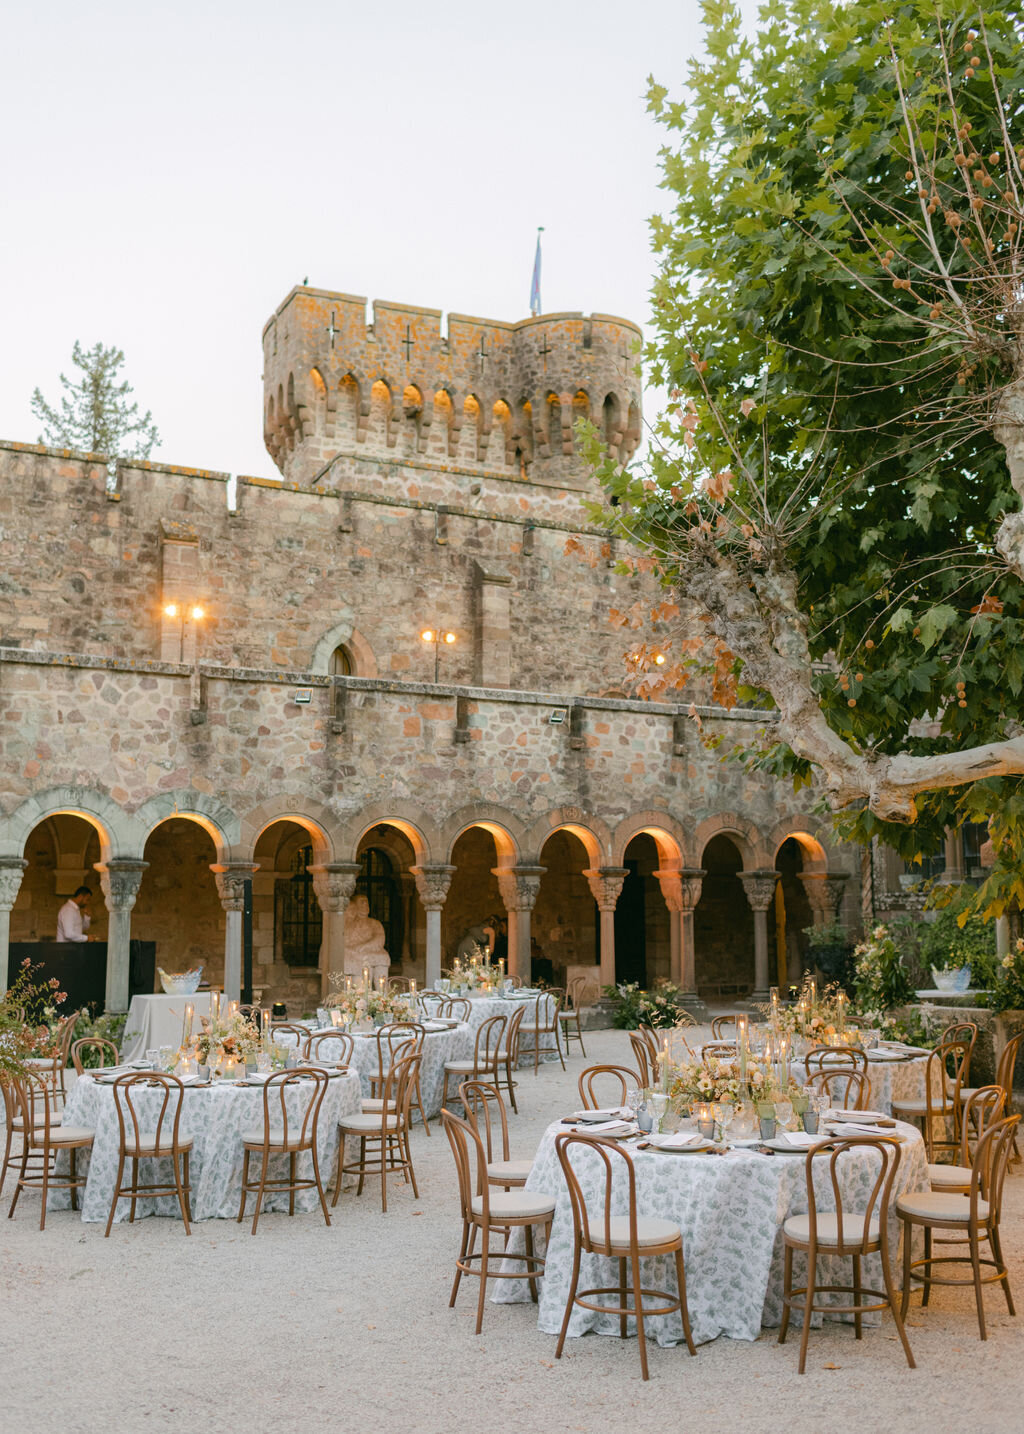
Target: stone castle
column 300, row 741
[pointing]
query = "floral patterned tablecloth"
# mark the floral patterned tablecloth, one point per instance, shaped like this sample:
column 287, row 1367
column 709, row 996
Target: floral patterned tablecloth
column 890, row 1080
column 483, row 1007
column 731, row 1210
column 215, row 1117
column 438, row 1047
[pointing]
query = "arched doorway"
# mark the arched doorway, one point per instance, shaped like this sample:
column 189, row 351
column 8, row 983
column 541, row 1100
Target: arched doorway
column 474, row 899
column 385, row 854
column 642, row 935
column 723, row 925
column 287, row 919
column 792, row 913
column 178, row 907
column 564, row 927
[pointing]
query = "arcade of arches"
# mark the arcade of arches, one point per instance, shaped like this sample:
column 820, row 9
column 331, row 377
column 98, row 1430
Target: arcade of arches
column 580, row 905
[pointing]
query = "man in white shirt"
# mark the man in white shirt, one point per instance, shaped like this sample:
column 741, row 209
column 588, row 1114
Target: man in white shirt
column 73, row 919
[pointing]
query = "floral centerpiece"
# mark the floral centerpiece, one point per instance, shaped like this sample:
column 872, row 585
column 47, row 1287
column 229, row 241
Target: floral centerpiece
column 29, row 1020
column 662, row 1009
column 231, row 1037
column 363, row 1003
column 479, row 975
column 881, row 980
column 817, row 1015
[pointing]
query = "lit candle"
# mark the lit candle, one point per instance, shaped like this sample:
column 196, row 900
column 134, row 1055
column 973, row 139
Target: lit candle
column 215, row 1005
column 366, row 977
column 812, row 989
column 348, row 983
column 742, row 1021
column 783, row 1063
column 233, row 1008
column 412, row 989
column 186, row 1023
column 264, row 1024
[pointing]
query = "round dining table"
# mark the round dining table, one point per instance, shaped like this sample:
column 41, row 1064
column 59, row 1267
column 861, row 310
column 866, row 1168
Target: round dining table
column 731, row 1208
column 893, row 1077
column 440, row 1043
column 215, row 1116
column 483, row 1006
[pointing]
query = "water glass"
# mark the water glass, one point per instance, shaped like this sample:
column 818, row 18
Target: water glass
column 264, row 1062
column 167, row 1054
column 784, row 1112
column 659, row 1104
column 153, row 1059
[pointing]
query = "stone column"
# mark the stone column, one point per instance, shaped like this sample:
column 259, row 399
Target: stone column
column 681, row 890
column 954, row 874
column 231, row 879
column 519, row 886
column 11, row 870
column 432, row 883
column 334, row 882
column 605, row 884
column 759, row 886
column 824, row 893
column 120, row 882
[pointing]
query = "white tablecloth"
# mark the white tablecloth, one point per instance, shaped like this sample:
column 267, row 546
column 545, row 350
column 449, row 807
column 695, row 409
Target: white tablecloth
column 155, row 1021
column 731, row 1210
column 438, row 1047
column 215, row 1117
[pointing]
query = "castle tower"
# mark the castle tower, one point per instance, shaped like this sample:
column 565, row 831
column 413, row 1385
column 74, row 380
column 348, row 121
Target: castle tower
column 483, row 400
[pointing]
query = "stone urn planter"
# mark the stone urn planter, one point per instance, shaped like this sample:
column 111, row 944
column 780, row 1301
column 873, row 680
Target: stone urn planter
column 1007, row 1024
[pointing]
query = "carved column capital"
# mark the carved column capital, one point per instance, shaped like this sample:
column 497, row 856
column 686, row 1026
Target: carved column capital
column 231, row 878
column 519, row 885
column 432, row 883
column 681, row 887
column 334, row 882
column 11, row 871
column 824, row 891
column 605, row 884
column 120, row 880
column 759, row 886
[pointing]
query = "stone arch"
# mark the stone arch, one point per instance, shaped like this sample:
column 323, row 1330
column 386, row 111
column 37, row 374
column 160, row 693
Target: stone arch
column 447, row 421
column 506, row 831
column 415, row 825
column 591, row 831
column 611, row 422
column 743, row 834
column 672, row 841
column 113, row 825
column 343, row 634
column 501, row 425
column 379, row 422
column 472, row 416
column 553, row 424
column 217, row 820
column 350, row 419
column 305, row 811
column 802, row 831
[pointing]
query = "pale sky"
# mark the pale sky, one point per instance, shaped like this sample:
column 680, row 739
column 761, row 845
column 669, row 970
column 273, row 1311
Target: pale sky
column 169, row 173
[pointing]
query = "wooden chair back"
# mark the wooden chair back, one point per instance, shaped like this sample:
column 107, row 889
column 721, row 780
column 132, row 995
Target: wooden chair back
column 457, row 1007
column 642, row 1057
column 89, row 1046
column 718, row 1027
column 283, row 1127
column 339, row 1047
column 489, row 1036
column 818, row 1181
column 621, row 1078
column 846, row 1088
column 614, row 1178
column 484, row 1107
column 136, row 1107
column 835, row 1057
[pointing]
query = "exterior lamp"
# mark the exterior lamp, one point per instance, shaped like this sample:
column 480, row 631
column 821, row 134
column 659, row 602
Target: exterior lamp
column 437, row 636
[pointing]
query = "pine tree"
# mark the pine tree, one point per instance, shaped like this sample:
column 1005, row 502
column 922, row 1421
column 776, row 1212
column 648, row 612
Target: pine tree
column 95, row 414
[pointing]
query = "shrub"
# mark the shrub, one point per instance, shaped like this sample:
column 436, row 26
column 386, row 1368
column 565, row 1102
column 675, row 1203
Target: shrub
column 661, row 1008
column 956, row 939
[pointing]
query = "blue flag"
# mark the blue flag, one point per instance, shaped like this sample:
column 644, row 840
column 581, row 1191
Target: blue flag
column 535, row 286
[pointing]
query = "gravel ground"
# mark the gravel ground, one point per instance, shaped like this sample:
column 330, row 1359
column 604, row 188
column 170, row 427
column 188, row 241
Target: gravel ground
column 304, row 1328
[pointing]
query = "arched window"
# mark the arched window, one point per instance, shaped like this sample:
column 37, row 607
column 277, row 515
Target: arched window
column 299, row 918
column 341, row 663
column 377, row 883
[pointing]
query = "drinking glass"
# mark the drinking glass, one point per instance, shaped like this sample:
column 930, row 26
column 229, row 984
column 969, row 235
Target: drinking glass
column 784, row 1112
column 153, row 1059
column 634, row 1099
column 167, row 1058
column 264, row 1062
column 659, row 1104
column 725, row 1114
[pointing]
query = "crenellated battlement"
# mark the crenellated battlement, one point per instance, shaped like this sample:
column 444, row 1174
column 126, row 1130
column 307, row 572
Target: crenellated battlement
column 479, row 394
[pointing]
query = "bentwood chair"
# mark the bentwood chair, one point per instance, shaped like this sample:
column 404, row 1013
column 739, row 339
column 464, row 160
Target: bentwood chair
column 843, row 1233
column 289, row 1028
column 628, row 1238
column 718, row 1050
column 983, row 1108
column 545, row 1022
column 962, row 1031
column 508, row 1054
column 483, row 1065
column 332, row 1048
column 718, row 1027
column 52, row 1068
column 149, row 1128
column 386, row 1132
column 940, row 1109
column 828, row 1058
column 973, row 1216
column 847, row 1089
column 621, row 1079
column 14, row 1125
column 485, row 1209
column 484, row 1107
column 650, row 1040
column 93, row 1046
column 569, row 1015
column 42, row 1141
column 1005, row 1070
column 398, row 1034
column 642, row 1057
column 285, row 1133
column 456, row 1008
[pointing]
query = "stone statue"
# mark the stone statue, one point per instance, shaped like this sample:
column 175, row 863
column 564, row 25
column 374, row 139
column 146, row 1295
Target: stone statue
column 364, row 941
column 476, row 939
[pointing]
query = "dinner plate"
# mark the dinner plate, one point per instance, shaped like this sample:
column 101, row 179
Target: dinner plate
column 695, row 1148
column 783, row 1147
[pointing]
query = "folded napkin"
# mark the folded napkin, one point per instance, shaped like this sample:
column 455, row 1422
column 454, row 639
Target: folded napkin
column 259, row 1075
column 865, row 1129
column 801, row 1139
column 608, row 1126
column 589, row 1117
column 678, row 1141
column 861, row 1115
